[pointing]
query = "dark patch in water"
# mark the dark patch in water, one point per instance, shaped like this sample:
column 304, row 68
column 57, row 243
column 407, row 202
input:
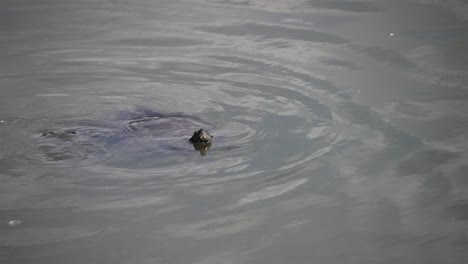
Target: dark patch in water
column 274, row 32
column 458, row 211
column 424, row 162
column 348, row 6
column 158, row 42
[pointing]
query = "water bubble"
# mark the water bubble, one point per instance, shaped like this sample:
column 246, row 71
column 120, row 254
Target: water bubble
column 14, row 223
column 391, row 34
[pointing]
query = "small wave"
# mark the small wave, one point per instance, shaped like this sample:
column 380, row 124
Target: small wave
column 271, row 191
column 43, row 143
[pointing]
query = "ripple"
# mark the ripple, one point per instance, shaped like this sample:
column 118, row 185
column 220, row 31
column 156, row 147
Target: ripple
column 126, row 138
column 458, row 211
column 347, row 6
column 160, row 41
column 165, row 127
column 40, row 236
column 270, row 120
column 274, row 32
column 271, row 191
column 26, row 142
column 63, row 155
column 318, row 117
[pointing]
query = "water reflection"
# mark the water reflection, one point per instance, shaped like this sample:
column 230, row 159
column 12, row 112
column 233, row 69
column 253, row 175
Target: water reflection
column 333, row 142
column 346, row 5
column 275, row 32
column 202, row 148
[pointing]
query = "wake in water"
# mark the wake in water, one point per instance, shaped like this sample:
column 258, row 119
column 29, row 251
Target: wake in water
column 82, row 142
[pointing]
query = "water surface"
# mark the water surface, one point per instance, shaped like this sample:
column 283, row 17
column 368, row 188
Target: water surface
column 340, row 131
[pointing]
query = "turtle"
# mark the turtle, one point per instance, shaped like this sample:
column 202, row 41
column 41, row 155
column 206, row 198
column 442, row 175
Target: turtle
column 201, row 137
column 201, row 141
column 156, row 130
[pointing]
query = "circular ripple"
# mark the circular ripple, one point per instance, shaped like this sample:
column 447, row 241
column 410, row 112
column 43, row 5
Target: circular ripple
column 64, row 155
column 44, row 143
column 130, row 137
column 175, row 130
column 267, row 121
column 170, row 127
column 159, row 141
column 261, row 123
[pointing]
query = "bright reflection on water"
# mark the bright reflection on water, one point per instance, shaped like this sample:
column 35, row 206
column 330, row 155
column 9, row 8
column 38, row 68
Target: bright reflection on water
column 339, row 129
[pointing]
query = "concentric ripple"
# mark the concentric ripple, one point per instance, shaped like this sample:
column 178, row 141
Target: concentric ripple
column 126, row 136
column 45, row 143
column 339, row 131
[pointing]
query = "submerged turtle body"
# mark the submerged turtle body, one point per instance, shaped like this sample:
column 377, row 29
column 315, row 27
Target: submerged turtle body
column 139, row 131
column 139, row 138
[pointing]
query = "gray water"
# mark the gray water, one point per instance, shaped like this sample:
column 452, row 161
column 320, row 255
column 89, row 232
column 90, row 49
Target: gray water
column 340, row 131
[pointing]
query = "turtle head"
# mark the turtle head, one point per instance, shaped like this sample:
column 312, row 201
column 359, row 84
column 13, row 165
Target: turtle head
column 201, row 141
column 201, row 136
